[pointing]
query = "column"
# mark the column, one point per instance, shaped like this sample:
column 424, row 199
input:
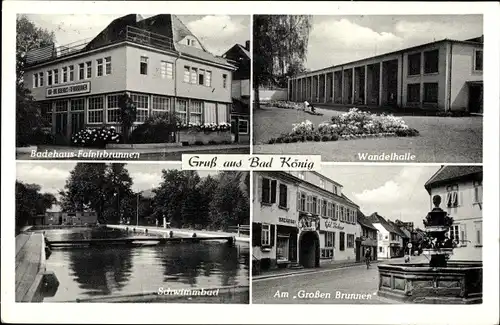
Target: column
column 317, row 90
column 353, row 85
column 333, row 86
column 325, row 89
column 366, row 85
column 342, row 86
column 311, row 78
column 380, row 84
column 288, row 93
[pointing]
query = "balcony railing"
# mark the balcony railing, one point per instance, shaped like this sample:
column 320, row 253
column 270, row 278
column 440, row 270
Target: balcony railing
column 130, row 33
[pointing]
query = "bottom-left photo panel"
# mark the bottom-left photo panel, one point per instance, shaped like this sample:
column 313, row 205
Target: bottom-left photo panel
column 136, row 232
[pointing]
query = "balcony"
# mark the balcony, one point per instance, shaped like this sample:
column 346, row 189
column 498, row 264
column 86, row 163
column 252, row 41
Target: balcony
column 129, row 33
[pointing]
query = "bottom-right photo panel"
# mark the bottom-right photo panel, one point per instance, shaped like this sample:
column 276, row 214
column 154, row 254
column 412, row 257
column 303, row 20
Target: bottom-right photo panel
column 368, row 235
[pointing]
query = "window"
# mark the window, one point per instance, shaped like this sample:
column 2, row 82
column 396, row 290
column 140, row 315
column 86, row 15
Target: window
column 144, row 65
column 479, row 233
column 40, row 76
column 301, row 175
column 221, row 113
column 431, row 92
column 210, row 110
column 478, row 60
column 113, row 109
column 100, row 67
column 71, row 73
column 61, row 106
column 323, row 208
column 315, row 205
column 282, row 247
column 49, row 78
column 64, row 74
column 452, row 196
column 201, row 77
column 458, row 233
column 342, row 240
column 142, row 104
column 89, row 69
column 194, row 75
column 181, row 110
column 243, row 126
column 46, row 111
column 336, row 211
column 342, row 213
column 167, row 70
column 301, row 201
column 431, row 61
column 327, row 252
column 478, row 191
column 350, row 241
column 321, row 183
column 160, row 104
column 77, row 105
column 309, row 203
column 186, row 74
column 334, row 189
column 283, row 202
column 329, row 210
column 266, row 235
column 414, row 64
column 413, row 95
column 224, row 80
column 95, row 113
column 56, row 76
column 81, row 71
column 108, row 65
column 195, row 112
column 35, row 80
column 268, row 191
column 208, row 78
column 380, row 249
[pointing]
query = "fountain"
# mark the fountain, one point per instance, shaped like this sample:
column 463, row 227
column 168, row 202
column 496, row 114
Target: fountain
column 441, row 281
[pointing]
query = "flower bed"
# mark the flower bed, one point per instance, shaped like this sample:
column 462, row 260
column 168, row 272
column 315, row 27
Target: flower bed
column 351, row 125
column 286, row 104
column 206, row 127
column 96, row 137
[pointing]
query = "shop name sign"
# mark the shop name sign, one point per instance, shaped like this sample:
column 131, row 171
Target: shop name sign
column 331, row 224
column 79, row 88
column 286, row 221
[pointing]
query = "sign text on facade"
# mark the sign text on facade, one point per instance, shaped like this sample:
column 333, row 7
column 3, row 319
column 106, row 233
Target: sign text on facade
column 79, row 88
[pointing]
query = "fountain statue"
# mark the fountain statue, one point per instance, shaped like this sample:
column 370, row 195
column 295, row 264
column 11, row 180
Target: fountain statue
column 439, row 281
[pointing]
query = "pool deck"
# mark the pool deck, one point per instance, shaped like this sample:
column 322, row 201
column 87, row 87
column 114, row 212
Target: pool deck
column 183, row 232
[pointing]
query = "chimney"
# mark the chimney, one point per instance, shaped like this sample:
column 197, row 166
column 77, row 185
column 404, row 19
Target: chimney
column 247, row 45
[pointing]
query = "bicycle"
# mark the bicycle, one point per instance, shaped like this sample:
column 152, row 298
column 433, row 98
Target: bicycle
column 367, row 261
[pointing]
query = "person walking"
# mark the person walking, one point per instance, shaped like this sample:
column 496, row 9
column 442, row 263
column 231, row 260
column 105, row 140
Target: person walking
column 368, row 257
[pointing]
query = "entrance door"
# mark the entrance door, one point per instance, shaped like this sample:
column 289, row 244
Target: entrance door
column 476, row 98
column 309, row 250
column 77, row 122
column 358, row 251
column 234, row 129
column 61, row 129
column 293, row 247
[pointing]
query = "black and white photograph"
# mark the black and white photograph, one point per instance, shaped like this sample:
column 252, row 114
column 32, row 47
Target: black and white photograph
column 368, row 235
column 114, row 232
column 131, row 87
column 395, row 88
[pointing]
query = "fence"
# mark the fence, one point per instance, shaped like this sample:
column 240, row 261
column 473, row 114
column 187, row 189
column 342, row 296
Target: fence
column 241, row 230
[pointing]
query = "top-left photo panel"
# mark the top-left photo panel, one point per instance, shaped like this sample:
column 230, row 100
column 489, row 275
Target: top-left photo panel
column 131, row 87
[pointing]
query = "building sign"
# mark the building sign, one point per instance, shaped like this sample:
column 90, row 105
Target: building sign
column 309, row 223
column 329, row 224
column 286, row 221
column 74, row 89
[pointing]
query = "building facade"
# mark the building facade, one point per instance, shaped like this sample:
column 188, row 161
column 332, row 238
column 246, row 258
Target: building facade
column 368, row 237
column 301, row 218
column 444, row 75
column 461, row 191
column 239, row 55
column 157, row 61
column 390, row 243
column 69, row 218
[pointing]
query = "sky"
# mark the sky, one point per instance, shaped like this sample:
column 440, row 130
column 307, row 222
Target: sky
column 340, row 39
column 394, row 192
column 217, row 33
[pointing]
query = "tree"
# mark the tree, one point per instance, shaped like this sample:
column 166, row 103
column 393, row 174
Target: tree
column 30, row 202
column 128, row 114
column 280, row 43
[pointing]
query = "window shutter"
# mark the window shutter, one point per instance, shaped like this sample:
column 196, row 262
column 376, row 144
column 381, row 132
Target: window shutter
column 256, row 234
column 273, row 230
column 298, row 201
column 448, row 199
column 259, row 187
column 273, row 191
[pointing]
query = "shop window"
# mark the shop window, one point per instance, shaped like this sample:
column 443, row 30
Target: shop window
column 414, row 62
column 350, row 241
column 242, row 126
column 107, row 61
column 413, row 94
column 342, row 241
column 452, row 196
column 95, row 112
column 143, row 66
column 186, row 74
column 478, row 60
column 224, row 80
column 431, row 61
column 268, row 191
column 61, row 106
column 46, row 111
column 160, row 104
column 431, row 92
column 77, row 105
column 210, row 112
column 221, row 113
column 100, row 67
column 282, row 248
column 181, row 110
column 142, row 104
column 283, row 202
column 195, row 112
column 88, row 64
column 329, row 239
column 71, row 73
column 113, row 109
column 208, row 78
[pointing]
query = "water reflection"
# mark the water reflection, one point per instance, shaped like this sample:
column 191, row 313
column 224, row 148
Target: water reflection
column 100, row 271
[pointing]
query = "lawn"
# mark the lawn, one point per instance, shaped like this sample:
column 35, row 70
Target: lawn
column 442, row 139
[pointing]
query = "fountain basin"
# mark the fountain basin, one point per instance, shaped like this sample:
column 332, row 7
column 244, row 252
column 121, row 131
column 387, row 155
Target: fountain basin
column 460, row 282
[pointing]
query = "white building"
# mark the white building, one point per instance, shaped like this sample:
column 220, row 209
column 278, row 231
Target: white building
column 390, row 243
column 461, row 191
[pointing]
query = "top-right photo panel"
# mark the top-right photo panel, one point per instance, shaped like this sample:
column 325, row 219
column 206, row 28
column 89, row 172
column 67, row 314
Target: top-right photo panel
column 402, row 88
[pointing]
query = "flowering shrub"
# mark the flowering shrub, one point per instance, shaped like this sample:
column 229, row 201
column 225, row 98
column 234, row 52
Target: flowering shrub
column 158, row 128
column 206, row 127
column 286, row 104
column 97, row 137
column 304, row 128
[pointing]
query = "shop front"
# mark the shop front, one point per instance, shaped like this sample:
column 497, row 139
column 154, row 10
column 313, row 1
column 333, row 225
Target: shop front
column 328, row 228
column 286, row 241
column 309, row 243
column 395, row 249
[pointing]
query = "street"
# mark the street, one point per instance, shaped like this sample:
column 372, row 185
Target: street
column 350, row 285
